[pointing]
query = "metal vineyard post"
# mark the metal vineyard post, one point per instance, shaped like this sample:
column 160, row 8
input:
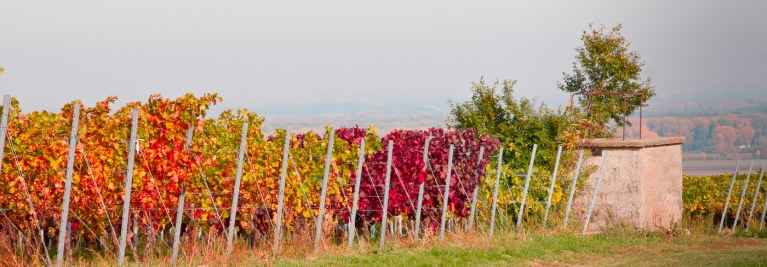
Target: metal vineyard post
column 180, row 210
column 572, row 188
column 281, row 197
column 386, row 195
column 476, row 190
column 128, row 185
column 446, row 193
column 237, row 180
column 524, row 190
column 756, row 194
column 68, row 186
column 419, row 207
column 495, row 191
column 729, row 194
column 743, row 195
column 324, row 191
column 596, row 191
column 355, row 201
column 551, row 187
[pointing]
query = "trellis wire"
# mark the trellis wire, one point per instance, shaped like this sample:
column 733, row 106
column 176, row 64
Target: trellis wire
column 459, row 181
column 399, row 178
column 764, row 212
column 210, row 194
column 503, row 219
column 32, row 210
column 258, row 186
column 16, row 228
column 98, row 192
column 307, row 202
column 354, row 208
column 93, row 233
column 5, row 114
column 148, row 225
column 3, row 133
column 157, row 189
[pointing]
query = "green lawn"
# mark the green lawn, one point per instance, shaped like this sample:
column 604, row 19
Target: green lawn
column 565, row 249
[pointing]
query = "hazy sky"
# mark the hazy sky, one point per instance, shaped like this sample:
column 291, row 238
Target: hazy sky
column 266, row 55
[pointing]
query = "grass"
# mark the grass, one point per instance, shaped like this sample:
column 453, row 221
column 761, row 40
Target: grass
column 557, row 249
column 692, row 244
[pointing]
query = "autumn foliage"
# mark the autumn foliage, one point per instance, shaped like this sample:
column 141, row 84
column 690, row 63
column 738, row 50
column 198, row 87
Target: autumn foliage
column 33, row 169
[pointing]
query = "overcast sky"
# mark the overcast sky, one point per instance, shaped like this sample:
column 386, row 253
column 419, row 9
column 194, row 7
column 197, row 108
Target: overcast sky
column 266, row 55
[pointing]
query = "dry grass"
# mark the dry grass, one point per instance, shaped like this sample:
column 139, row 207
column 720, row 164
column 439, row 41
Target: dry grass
column 532, row 246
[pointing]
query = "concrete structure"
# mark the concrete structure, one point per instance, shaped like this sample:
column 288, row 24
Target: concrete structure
column 642, row 183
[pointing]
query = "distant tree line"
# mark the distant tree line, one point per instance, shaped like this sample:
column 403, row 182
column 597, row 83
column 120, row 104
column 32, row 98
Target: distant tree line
column 721, row 134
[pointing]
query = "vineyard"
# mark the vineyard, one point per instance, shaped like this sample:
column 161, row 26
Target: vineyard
column 162, row 178
column 731, row 199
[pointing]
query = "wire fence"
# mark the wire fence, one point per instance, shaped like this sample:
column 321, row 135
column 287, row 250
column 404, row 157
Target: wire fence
column 330, row 202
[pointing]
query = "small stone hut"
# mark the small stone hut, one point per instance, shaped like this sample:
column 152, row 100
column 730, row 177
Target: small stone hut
column 641, row 186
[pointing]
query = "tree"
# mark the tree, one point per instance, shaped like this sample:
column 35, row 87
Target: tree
column 517, row 124
column 745, row 135
column 604, row 64
column 763, row 145
column 724, row 139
